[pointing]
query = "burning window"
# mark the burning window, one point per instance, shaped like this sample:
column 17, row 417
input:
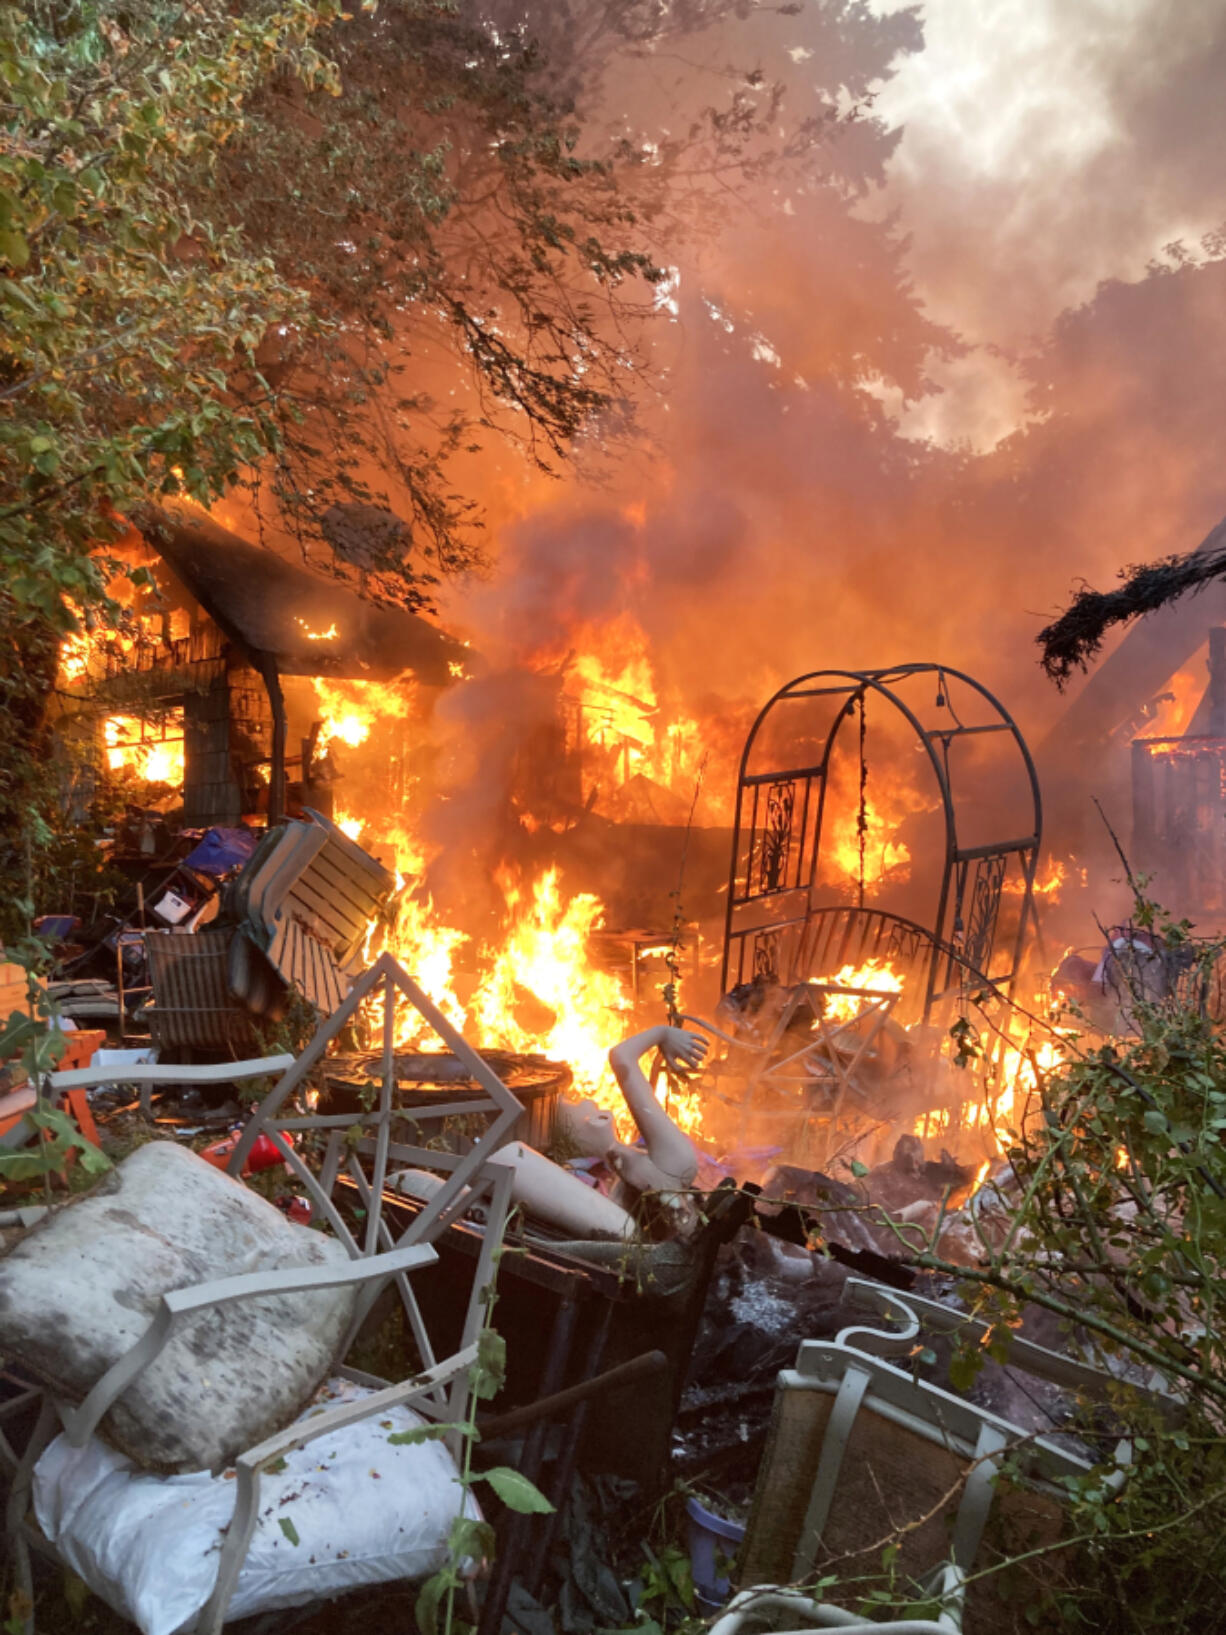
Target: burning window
column 151, row 750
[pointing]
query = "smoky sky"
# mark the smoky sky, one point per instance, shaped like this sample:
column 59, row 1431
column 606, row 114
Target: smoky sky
column 1047, row 146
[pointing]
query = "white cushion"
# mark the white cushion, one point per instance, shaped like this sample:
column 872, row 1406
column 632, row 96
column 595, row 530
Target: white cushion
column 82, row 1287
column 363, row 1512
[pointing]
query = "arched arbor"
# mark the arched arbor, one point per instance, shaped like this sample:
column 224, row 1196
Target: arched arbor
column 888, row 815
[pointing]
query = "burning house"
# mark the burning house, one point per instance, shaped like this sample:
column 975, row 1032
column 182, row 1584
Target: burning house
column 191, row 695
column 1151, row 724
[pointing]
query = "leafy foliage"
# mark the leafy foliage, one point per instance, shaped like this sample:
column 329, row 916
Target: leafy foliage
column 130, row 321
column 1118, row 1228
column 28, row 1037
column 126, row 314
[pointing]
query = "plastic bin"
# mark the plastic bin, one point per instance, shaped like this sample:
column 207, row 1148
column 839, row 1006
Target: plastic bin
column 711, row 1537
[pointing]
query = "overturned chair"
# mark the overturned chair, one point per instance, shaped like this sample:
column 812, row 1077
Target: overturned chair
column 208, row 1341
column 862, row 1452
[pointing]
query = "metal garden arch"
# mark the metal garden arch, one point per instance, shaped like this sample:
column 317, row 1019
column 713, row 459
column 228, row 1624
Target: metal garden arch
column 783, row 923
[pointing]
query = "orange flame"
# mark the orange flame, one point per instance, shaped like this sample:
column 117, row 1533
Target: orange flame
column 1174, row 715
column 128, row 748
column 875, row 975
column 349, row 710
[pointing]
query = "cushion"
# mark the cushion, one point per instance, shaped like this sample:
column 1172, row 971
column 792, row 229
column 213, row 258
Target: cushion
column 82, row 1286
column 358, row 1510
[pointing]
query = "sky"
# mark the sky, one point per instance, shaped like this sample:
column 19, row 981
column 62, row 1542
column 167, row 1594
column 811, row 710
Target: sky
column 1046, row 145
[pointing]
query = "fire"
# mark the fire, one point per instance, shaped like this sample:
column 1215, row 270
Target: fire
column 153, row 760
column 624, row 728
column 875, row 975
column 885, row 856
column 541, row 991
column 350, row 709
column 76, row 650
column 427, row 950
column 1006, row 1089
column 887, row 800
column 328, row 635
column 1178, row 704
column 1051, row 881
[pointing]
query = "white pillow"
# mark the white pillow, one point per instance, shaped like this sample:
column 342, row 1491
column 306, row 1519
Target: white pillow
column 81, row 1287
column 363, row 1512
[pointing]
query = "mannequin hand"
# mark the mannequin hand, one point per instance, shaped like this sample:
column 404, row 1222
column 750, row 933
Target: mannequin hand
column 684, row 1052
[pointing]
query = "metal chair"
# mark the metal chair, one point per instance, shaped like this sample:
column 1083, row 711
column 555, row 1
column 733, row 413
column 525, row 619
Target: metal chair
column 846, row 1424
column 439, row 1391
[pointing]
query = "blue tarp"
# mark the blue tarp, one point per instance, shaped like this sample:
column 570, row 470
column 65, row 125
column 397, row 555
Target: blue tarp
column 221, row 851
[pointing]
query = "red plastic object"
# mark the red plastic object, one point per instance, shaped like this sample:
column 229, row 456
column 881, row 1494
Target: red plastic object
column 263, row 1155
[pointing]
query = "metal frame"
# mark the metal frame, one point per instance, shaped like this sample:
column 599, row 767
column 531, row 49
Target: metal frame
column 853, row 1369
column 773, row 890
column 441, row 1390
column 833, row 1050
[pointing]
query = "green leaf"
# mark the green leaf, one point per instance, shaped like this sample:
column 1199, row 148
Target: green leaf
column 491, row 1366
column 76, row 1594
column 290, row 1531
column 517, row 1492
column 432, row 1592
column 423, row 1433
column 964, row 1368
column 14, row 248
column 1155, row 1121
column 857, row 1168
column 471, row 1539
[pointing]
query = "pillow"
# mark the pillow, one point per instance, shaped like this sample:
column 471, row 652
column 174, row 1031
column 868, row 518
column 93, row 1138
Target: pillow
column 83, row 1285
column 358, row 1510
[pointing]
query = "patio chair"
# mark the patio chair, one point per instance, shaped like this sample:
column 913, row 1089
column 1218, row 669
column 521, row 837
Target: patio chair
column 147, row 1076
column 862, row 1452
column 439, row 1390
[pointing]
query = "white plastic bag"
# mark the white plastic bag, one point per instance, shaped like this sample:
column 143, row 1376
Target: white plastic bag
column 362, row 1510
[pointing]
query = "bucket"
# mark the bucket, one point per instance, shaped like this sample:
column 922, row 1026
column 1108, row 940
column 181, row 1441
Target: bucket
column 710, row 1536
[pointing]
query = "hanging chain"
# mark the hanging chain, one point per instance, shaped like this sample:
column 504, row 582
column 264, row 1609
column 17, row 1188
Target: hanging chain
column 862, row 814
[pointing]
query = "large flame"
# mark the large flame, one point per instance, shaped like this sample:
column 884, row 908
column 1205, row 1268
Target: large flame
column 540, row 990
column 349, row 710
column 1177, row 706
column 626, row 729
column 129, row 748
column 875, row 976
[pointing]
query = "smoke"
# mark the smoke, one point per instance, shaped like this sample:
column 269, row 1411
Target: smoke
column 1046, row 148
column 980, row 259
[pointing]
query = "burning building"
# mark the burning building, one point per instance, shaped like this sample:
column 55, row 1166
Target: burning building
column 1151, row 724
column 190, row 693
column 563, row 865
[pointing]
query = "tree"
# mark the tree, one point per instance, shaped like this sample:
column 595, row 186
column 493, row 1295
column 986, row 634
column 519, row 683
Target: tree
column 124, row 313
column 480, row 215
column 322, row 255
column 1072, row 640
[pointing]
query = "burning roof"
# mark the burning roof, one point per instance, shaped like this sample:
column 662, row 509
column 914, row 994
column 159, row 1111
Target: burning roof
column 307, row 624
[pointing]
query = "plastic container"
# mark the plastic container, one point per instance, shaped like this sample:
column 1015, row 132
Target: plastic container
column 711, row 1537
column 264, row 1154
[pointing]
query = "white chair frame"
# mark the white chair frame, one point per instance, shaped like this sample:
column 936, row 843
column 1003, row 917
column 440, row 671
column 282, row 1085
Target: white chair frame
column 441, row 1391
column 852, row 1368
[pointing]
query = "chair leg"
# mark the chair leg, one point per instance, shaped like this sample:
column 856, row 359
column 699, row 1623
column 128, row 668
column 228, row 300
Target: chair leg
column 830, row 1462
column 16, row 1506
column 233, row 1550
